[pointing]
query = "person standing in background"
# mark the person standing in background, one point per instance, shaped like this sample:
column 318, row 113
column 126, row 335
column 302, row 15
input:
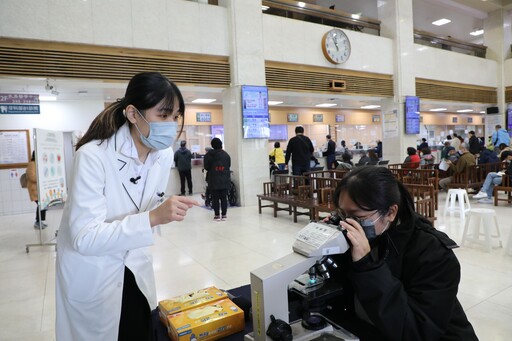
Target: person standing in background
column 278, row 155
column 378, row 149
column 217, row 162
column 330, row 153
column 105, row 284
column 455, row 143
column 32, row 192
column 474, row 143
column 423, row 144
column 183, row 161
column 500, row 136
column 299, row 149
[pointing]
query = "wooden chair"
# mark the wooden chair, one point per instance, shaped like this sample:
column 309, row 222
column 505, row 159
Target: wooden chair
column 424, row 199
column 506, row 186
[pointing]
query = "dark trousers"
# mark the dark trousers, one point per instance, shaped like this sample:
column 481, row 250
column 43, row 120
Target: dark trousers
column 43, row 213
column 299, row 169
column 136, row 322
column 186, row 174
column 220, row 195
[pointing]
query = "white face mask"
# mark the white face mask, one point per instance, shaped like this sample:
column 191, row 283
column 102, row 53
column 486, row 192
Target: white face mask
column 161, row 134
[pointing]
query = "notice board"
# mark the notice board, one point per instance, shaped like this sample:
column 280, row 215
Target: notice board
column 14, row 149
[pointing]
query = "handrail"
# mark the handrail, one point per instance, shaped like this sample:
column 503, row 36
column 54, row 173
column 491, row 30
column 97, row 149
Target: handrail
column 430, row 39
column 333, row 16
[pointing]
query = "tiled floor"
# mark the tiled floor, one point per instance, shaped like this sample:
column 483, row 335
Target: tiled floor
column 200, row 252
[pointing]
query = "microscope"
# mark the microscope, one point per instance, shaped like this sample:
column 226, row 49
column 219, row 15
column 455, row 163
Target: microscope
column 302, row 272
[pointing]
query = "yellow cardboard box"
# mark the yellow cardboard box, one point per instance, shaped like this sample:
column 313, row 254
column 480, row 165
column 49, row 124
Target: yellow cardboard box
column 208, row 322
column 191, row 300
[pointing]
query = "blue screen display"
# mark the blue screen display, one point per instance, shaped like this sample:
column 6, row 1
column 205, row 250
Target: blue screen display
column 278, row 132
column 255, row 112
column 412, row 115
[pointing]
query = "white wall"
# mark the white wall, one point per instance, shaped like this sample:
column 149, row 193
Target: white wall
column 60, row 116
column 508, row 72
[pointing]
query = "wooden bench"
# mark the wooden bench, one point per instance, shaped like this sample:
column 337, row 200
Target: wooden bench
column 474, row 176
column 424, row 198
column 288, row 190
column 505, row 186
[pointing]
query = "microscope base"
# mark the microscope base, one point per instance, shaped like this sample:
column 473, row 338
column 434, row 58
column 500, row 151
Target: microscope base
column 301, row 334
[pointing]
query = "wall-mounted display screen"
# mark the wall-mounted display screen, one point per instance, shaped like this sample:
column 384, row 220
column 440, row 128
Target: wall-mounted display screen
column 203, row 116
column 217, row 131
column 340, row 118
column 255, row 112
column 292, row 117
column 509, row 120
column 412, row 115
column 278, row 132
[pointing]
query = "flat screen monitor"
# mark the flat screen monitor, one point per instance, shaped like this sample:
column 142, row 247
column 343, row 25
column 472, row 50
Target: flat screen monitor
column 509, row 121
column 412, row 115
column 217, row 131
column 255, row 112
column 278, row 132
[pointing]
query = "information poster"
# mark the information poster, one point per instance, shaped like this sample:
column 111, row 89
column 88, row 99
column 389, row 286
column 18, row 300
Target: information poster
column 390, row 124
column 412, row 115
column 15, row 104
column 51, row 175
column 14, row 148
column 255, row 112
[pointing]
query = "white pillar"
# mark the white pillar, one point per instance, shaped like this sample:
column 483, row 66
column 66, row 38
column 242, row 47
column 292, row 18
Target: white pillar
column 249, row 158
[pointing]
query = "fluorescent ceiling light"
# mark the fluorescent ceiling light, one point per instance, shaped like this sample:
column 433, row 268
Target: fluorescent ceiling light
column 274, row 102
column 301, row 4
column 47, row 98
column 477, row 33
column 371, row 106
column 356, row 16
column 465, row 110
column 438, row 109
column 326, row 105
column 204, row 100
column 264, row 7
column 482, row 112
column 441, row 22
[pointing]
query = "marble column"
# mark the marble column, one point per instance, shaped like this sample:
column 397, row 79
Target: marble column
column 396, row 18
column 249, row 157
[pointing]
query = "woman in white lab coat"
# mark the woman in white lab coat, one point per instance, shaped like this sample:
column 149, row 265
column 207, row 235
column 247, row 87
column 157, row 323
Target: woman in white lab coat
column 105, row 286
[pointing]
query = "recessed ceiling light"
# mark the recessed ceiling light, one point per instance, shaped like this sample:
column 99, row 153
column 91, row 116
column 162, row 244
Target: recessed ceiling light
column 356, row 16
column 47, row 98
column 274, row 102
column 264, row 8
column 465, row 110
column 477, row 33
column 371, row 106
column 482, row 112
column 204, row 100
column 301, row 4
column 441, row 22
column 326, row 105
column 438, row 109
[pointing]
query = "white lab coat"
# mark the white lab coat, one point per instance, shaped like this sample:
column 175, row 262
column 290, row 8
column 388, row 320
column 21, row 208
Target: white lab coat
column 102, row 231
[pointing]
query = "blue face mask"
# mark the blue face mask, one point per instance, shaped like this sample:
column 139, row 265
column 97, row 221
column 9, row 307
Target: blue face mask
column 369, row 228
column 161, row 134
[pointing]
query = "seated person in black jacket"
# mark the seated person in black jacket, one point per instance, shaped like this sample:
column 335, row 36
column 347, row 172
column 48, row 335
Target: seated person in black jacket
column 400, row 275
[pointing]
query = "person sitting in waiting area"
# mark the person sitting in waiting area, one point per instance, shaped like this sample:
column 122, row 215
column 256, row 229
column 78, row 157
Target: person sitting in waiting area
column 503, row 147
column 494, row 179
column 412, row 160
column 444, row 151
column 346, row 162
column 467, row 159
column 453, row 156
column 364, row 159
column 426, row 157
column 487, row 156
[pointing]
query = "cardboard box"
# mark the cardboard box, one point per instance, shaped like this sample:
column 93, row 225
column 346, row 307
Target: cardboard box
column 188, row 301
column 206, row 323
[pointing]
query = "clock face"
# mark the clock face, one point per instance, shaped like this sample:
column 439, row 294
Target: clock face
column 336, row 46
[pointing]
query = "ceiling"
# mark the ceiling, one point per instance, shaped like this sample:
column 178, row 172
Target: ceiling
column 466, row 15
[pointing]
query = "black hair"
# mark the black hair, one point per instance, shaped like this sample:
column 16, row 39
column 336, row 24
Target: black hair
column 502, row 146
column 411, row 151
column 328, row 136
column 426, row 150
column 385, row 192
column 216, row 143
column 145, row 90
column 299, row 130
column 277, row 144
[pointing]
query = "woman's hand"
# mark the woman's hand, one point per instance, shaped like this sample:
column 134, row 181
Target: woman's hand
column 172, row 209
column 355, row 233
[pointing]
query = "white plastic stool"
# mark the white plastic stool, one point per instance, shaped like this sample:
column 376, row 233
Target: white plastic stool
column 463, row 207
column 485, row 218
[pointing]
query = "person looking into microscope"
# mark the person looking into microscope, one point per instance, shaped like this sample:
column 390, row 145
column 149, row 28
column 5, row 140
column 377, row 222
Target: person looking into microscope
column 400, row 274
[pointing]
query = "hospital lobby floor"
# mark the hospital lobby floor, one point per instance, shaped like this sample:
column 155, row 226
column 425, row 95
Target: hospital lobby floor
column 200, row 252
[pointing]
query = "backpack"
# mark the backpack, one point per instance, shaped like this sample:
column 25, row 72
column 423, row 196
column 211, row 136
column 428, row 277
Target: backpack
column 23, row 180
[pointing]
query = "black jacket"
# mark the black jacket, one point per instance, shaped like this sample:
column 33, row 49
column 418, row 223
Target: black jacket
column 217, row 162
column 183, row 159
column 300, row 149
column 407, row 286
column 331, row 148
column 474, row 145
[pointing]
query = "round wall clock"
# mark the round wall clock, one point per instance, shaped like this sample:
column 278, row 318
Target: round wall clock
column 336, row 46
